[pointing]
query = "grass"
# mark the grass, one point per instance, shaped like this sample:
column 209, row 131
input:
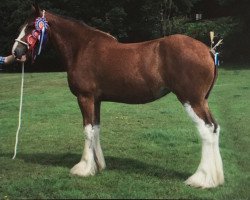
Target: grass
column 149, row 149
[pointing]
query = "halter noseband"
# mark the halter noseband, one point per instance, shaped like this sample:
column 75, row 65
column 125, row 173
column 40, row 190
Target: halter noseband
column 38, row 34
column 22, row 42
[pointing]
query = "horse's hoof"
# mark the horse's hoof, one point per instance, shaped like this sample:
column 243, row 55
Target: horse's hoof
column 202, row 180
column 84, row 169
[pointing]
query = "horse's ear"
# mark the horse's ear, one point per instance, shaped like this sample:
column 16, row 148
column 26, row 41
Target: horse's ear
column 35, row 9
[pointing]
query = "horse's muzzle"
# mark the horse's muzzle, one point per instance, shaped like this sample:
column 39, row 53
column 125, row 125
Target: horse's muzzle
column 20, row 51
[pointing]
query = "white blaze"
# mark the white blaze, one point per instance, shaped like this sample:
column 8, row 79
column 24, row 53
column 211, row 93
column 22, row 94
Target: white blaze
column 21, row 35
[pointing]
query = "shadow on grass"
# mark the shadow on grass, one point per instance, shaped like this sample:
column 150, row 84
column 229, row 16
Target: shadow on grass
column 127, row 165
column 135, row 166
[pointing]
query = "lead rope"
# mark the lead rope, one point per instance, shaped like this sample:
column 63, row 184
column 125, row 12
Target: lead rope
column 20, row 113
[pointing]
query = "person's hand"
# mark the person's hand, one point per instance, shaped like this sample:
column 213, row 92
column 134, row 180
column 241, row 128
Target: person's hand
column 9, row 59
column 23, row 59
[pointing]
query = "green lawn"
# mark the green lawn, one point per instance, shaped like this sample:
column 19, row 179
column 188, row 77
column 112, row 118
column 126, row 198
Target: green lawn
column 149, row 149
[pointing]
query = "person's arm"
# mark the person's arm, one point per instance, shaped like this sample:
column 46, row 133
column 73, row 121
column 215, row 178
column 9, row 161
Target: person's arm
column 7, row 60
column 2, row 60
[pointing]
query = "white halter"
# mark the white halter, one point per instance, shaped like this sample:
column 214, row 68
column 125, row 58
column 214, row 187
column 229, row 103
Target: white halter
column 22, row 42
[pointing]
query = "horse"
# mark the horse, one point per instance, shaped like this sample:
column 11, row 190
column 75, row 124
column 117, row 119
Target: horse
column 100, row 68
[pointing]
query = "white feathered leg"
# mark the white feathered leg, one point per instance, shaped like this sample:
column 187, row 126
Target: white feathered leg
column 98, row 150
column 210, row 171
column 87, row 166
column 218, row 160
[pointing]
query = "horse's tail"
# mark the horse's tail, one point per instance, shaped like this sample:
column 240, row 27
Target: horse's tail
column 215, row 77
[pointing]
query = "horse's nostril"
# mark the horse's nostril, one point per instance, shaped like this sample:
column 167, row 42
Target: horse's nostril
column 18, row 53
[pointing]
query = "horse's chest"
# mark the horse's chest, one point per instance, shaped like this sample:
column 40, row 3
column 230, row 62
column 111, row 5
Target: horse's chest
column 79, row 84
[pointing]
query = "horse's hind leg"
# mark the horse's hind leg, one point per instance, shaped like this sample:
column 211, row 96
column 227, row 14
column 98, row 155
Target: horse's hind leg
column 210, row 171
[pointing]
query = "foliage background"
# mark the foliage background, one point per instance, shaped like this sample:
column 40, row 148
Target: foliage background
column 138, row 20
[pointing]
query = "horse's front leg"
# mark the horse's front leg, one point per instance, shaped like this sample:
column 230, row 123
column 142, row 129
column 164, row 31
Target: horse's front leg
column 92, row 159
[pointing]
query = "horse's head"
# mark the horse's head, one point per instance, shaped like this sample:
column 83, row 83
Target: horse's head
column 32, row 37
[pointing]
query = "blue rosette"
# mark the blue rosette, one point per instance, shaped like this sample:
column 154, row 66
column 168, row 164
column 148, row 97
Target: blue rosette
column 41, row 24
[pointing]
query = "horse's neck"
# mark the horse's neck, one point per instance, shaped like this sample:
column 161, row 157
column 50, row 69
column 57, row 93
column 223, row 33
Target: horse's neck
column 67, row 37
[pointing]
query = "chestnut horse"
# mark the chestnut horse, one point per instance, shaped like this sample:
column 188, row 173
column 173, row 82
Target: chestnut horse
column 99, row 68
